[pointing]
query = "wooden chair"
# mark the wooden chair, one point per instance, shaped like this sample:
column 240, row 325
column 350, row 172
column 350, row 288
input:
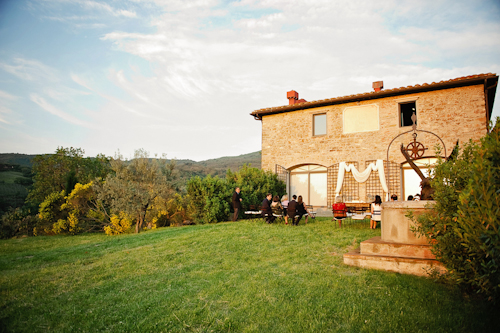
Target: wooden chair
column 339, row 210
column 311, row 211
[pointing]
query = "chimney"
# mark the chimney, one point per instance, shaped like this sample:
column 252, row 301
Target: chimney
column 292, row 96
column 378, row 85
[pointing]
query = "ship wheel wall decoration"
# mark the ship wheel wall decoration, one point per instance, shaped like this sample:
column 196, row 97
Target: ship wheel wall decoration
column 415, row 149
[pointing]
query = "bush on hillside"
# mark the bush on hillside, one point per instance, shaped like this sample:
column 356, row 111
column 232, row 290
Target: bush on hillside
column 255, row 184
column 464, row 227
column 208, row 199
column 17, row 222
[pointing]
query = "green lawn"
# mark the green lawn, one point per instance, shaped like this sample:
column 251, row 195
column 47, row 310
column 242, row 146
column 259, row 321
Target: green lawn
column 228, row 277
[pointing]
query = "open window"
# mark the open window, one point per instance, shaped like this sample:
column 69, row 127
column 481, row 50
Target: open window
column 406, row 110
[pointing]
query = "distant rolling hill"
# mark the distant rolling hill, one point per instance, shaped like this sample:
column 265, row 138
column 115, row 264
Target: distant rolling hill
column 16, row 159
column 214, row 167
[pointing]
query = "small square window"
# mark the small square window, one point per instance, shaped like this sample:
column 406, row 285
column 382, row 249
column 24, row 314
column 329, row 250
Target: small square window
column 406, row 111
column 319, row 124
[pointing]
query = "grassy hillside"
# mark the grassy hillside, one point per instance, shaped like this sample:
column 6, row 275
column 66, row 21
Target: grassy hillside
column 228, row 277
column 11, row 194
column 19, row 159
column 8, row 177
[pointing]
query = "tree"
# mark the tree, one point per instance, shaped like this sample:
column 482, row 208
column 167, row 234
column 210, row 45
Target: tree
column 135, row 184
column 56, row 172
column 464, row 226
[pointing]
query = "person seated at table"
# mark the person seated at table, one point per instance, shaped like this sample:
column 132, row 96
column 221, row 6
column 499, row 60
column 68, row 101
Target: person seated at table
column 276, row 206
column 339, row 210
column 394, row 197
column 301, row 210
column 284, row 203
column 267, row 212
column 292, row 209
column 376, row 209
column 410, row 197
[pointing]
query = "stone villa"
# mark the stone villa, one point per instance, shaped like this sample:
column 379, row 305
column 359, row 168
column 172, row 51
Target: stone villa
column 350, row 146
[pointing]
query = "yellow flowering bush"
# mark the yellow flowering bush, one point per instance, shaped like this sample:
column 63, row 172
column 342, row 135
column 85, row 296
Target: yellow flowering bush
column 119, row 224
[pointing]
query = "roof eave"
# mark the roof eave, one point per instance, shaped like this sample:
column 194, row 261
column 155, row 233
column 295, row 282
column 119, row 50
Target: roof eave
column 491, row 79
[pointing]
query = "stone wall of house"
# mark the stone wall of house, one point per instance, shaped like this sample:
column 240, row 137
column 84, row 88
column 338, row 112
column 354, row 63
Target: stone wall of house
column 458, row 113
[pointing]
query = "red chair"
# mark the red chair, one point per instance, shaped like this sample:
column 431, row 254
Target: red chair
column 339, row 212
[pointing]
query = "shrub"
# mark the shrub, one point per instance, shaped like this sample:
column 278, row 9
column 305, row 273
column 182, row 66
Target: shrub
column 255, row 184
column 169, row 211
column 209, row 199
column 68, row 226
column 50, row 212
column 17, row 222
column 119, row 224
column 464, row 226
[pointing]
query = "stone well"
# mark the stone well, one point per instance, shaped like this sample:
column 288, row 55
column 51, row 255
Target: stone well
column 398, row 249
column 396, row 227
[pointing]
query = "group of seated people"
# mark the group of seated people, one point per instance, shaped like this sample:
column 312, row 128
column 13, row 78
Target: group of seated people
column 293, row 210
column 339, row 209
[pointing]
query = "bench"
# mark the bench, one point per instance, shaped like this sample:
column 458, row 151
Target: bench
column 253, row 212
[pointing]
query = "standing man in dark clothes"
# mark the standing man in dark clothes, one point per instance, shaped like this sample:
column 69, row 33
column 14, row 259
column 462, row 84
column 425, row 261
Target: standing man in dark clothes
column 236, row 203
column 266, row 209
column 292, row 209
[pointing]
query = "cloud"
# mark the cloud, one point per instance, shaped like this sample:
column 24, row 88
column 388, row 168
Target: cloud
column 6, row 100
column 6, row 96
column 58, row 113
column 107, row 8
column 4, row 111
column 122, row 104
column 29, row 70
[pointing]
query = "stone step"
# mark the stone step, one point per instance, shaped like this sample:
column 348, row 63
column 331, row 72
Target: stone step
column 396, row 264
column 377, row 246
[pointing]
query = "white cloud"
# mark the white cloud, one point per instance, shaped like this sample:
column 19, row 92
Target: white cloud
column 3, row 112
column 122, row 104
column 105, row 7
column 40, row 101
column 6, row 102
column 29, row 70
column 6, row 96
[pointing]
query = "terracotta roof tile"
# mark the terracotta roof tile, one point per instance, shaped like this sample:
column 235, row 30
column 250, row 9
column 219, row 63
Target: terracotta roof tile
column 460, row 81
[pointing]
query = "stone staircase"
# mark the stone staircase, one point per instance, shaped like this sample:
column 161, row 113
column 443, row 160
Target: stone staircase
column 395, row 257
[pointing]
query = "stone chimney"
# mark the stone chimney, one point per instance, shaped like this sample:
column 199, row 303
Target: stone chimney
column 378, row 85
column 293, row 97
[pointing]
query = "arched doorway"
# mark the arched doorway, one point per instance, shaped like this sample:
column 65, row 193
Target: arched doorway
column 310, row 181
column 411, row 180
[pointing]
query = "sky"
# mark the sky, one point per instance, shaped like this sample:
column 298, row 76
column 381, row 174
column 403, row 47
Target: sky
column 181, row 77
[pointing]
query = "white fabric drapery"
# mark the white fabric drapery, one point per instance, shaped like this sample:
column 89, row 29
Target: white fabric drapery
column 361, row 177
